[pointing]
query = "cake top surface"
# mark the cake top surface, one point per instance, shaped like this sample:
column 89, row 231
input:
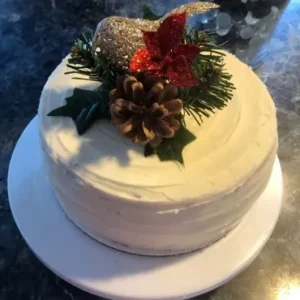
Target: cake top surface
column 230, row 145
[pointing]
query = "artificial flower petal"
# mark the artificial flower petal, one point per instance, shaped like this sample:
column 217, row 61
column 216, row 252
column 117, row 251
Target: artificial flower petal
column 189, row 51
column 142, row 62
column 174, row 59
column 170, row 32
column 180, row 73
column 150, row 40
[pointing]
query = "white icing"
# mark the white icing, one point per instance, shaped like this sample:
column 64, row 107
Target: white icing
column 115, row 194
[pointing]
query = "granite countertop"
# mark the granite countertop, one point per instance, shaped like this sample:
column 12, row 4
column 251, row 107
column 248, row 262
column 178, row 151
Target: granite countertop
column 35, row 35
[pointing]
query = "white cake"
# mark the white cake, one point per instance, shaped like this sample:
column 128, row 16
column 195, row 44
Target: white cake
column 141, row 205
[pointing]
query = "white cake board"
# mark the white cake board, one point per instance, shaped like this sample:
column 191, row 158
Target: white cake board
column 113, row 274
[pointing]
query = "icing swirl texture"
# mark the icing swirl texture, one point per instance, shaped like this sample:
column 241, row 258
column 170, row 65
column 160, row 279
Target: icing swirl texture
column 141, row 205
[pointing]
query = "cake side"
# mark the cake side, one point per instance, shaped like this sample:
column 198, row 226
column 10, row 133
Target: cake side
column 156, row 232
column 111, row 191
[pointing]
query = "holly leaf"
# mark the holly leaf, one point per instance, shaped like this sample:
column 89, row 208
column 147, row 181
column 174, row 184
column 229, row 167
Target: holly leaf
column 148, row 150
column 148, row 14
column 84, row 107
column 171, row 149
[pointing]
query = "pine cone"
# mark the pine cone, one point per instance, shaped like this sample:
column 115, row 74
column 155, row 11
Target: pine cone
column 74, row 51
column 145, row 109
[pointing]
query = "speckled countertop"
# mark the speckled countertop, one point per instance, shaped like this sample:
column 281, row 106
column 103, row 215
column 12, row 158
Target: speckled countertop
column 34, row 36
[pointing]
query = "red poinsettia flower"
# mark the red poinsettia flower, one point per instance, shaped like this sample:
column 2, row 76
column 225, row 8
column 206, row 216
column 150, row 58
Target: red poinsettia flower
column 165, row 55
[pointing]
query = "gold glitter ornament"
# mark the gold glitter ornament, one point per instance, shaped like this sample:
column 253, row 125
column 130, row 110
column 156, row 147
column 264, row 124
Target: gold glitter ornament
column 118, row 38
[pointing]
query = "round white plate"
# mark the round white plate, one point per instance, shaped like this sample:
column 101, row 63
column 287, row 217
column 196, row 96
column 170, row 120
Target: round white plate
column 110, row 273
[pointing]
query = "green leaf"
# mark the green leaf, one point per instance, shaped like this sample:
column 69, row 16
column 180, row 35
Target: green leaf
column 148, row 14
column 148, row 151
column 84, row 107
column 63, row 111
column 86, row 97
column 171, row 149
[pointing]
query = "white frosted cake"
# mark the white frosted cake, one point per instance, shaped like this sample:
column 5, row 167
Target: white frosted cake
column 145, row 206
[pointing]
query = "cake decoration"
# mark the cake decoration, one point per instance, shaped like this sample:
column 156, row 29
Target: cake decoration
column 165, row 55
column 145, row 111
column 168, row 71
column 111, row 182
column 119, row 38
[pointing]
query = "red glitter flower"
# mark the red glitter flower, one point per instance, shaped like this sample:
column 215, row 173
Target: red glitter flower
column 165, row 55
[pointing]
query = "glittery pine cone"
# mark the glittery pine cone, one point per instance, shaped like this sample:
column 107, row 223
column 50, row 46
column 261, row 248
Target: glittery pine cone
column 146, row 109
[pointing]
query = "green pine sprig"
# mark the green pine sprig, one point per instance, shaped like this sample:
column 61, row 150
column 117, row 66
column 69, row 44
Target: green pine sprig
column 215, row 88
column 89, row 66
column 81, row 52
